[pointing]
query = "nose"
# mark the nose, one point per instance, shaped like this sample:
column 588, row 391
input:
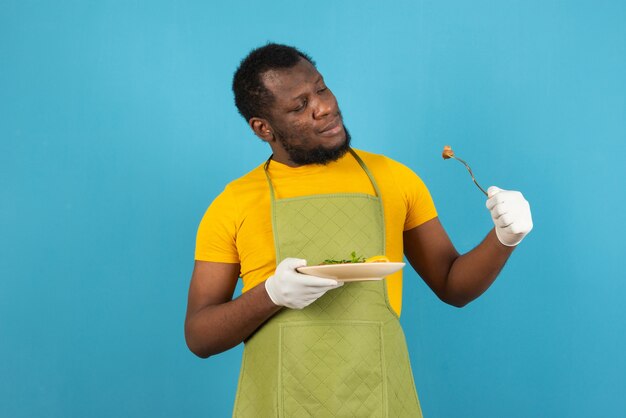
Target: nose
column 325, row 106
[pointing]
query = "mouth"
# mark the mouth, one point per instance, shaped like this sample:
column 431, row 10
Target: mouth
column 333, row 128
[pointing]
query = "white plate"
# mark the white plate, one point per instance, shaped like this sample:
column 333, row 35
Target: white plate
column 352, row 272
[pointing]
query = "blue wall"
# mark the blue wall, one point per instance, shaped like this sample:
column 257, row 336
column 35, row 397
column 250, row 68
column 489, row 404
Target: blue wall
column 117, row 129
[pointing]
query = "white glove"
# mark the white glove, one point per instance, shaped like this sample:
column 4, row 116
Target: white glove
column 511, row 215
column 287, row 287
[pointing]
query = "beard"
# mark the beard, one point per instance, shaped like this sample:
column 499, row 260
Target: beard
column 302, row 155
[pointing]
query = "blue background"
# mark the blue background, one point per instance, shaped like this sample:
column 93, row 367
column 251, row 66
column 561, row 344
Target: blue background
column 117, row 129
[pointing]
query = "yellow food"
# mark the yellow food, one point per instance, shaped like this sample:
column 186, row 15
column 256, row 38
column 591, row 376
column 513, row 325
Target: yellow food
column 377, row 259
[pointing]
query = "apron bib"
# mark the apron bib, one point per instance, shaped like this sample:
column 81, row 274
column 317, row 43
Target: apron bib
column 344, row 355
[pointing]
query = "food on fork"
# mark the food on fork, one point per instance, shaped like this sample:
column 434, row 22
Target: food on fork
column 447, row 152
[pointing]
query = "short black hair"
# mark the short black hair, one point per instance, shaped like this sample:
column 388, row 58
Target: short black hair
column 252, row 98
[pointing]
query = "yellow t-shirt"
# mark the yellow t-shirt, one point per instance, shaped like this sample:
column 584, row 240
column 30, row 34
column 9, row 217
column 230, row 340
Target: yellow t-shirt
column 237, row 227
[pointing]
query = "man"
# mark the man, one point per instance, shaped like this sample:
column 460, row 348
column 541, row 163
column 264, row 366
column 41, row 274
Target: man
column 318, row 347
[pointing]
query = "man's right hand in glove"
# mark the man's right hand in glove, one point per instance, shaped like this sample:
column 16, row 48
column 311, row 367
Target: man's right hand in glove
column 287, row 287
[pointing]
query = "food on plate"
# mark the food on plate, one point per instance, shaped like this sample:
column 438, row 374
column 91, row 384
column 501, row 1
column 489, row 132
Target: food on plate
column 358, row 259
column 378, row 259
column 447, row 152
column 354, row 259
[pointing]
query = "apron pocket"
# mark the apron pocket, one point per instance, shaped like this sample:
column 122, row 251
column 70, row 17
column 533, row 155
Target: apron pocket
column 332, row 369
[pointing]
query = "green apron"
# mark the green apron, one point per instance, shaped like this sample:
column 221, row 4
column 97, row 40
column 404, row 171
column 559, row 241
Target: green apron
column 344, row 355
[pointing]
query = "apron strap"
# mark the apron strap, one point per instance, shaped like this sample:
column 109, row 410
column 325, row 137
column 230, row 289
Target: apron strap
column 354, row 154
column 269, row 181
column 367, row 171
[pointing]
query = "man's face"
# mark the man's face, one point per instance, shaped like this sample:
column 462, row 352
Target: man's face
column 305, row 117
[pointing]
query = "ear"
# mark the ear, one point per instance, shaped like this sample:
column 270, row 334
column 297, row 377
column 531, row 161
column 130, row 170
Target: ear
column 262, row 128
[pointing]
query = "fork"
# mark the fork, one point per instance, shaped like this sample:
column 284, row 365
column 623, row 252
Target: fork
column 448, row 153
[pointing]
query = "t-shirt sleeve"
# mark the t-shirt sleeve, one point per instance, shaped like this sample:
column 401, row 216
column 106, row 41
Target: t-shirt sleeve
column 215, row 240
column 420, row 205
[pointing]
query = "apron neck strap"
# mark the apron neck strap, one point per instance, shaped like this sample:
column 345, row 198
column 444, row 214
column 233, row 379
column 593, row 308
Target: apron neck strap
column 354, row 154
column 269, row 180
column 367, row 171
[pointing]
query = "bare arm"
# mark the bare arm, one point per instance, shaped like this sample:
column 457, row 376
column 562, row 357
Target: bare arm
column 215, row 322
column 455, row 279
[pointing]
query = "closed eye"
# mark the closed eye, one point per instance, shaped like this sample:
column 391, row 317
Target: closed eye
column 302, row 106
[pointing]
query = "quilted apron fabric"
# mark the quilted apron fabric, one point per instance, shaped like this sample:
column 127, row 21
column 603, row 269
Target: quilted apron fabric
column 345, row 355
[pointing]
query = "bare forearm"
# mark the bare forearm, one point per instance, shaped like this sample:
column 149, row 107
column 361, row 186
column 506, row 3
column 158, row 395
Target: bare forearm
column 471, row 274
column 217, row 328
